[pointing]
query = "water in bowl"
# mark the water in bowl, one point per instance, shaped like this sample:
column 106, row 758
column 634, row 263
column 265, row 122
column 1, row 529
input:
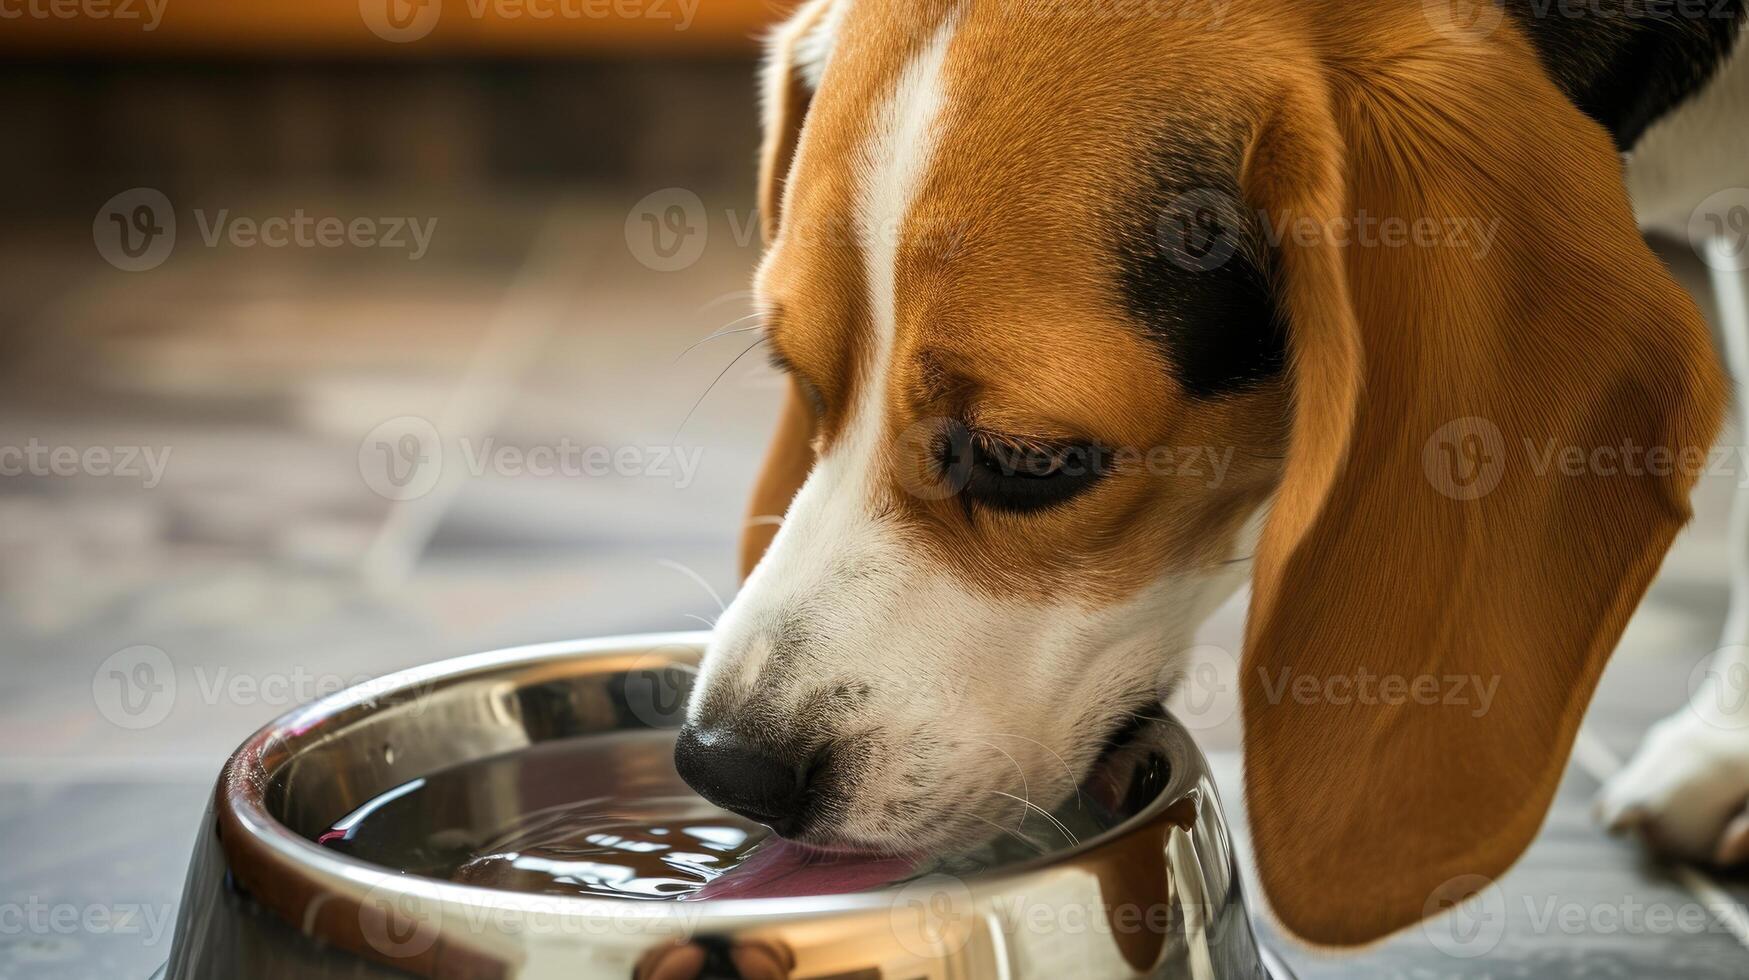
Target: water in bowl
column 600, row 816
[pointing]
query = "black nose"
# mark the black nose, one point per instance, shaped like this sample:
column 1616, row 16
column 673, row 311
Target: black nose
column 739, row 775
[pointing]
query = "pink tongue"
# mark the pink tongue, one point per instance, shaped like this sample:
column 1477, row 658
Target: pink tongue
column 781, row 869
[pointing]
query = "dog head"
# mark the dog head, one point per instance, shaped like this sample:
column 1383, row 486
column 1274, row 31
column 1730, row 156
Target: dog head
column 1082, row 312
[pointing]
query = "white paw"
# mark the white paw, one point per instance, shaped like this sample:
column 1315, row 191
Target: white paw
column 1685, row 792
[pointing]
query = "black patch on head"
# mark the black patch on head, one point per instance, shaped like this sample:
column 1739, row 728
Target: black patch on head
column 1193, row 271
column 1625, row 63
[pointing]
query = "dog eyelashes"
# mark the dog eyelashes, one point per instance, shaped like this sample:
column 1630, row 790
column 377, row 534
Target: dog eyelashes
column 810, row 393
column 1017, row 476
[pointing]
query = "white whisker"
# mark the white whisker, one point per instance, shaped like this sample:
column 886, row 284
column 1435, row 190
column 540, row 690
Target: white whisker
column 1025, row 788
column 1017, row 835
column 724, row 332
column 1073, row 781
column 742, row 294
column 1061, row 829
column 696, row 577
column 714, row 382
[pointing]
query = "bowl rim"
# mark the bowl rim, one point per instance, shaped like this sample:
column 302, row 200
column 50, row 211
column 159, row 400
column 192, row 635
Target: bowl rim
column 251, row 836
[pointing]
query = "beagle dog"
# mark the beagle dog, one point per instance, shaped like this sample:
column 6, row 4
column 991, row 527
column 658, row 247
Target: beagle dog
column 1027, row 256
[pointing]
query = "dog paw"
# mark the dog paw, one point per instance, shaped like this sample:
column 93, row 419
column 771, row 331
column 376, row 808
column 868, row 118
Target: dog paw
column 1686, row 792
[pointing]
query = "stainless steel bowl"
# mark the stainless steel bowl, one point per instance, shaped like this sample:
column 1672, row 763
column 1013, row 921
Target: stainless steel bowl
column 1159, row 896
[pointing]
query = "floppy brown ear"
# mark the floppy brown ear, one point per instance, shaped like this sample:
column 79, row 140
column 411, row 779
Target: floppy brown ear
column 787, row 90
column 794, row 56
column 1438, row 585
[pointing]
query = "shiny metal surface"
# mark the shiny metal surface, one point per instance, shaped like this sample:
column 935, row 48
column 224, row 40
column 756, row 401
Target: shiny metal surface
column 1157, row 897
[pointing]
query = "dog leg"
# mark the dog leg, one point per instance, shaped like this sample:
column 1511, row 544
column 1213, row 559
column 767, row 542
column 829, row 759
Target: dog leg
column 1687, row 787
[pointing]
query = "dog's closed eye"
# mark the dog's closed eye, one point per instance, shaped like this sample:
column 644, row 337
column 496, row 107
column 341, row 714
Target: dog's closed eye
column 809, row 391
column 1017, row 476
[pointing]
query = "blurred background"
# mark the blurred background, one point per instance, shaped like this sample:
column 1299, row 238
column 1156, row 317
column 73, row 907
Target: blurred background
column 338, row 336
column 492, row 228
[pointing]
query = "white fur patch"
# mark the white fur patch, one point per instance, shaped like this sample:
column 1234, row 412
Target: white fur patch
column 894, row 164
column 814, row 47
column 831, row 511
column 944, row 707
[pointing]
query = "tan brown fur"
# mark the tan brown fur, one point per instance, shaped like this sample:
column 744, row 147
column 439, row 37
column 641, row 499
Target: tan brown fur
column 1008, row 317
column 1570, row 330
column 786, row 465
column 1005, row 285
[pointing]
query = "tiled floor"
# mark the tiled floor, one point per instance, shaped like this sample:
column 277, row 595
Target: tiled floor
column 266, row 569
